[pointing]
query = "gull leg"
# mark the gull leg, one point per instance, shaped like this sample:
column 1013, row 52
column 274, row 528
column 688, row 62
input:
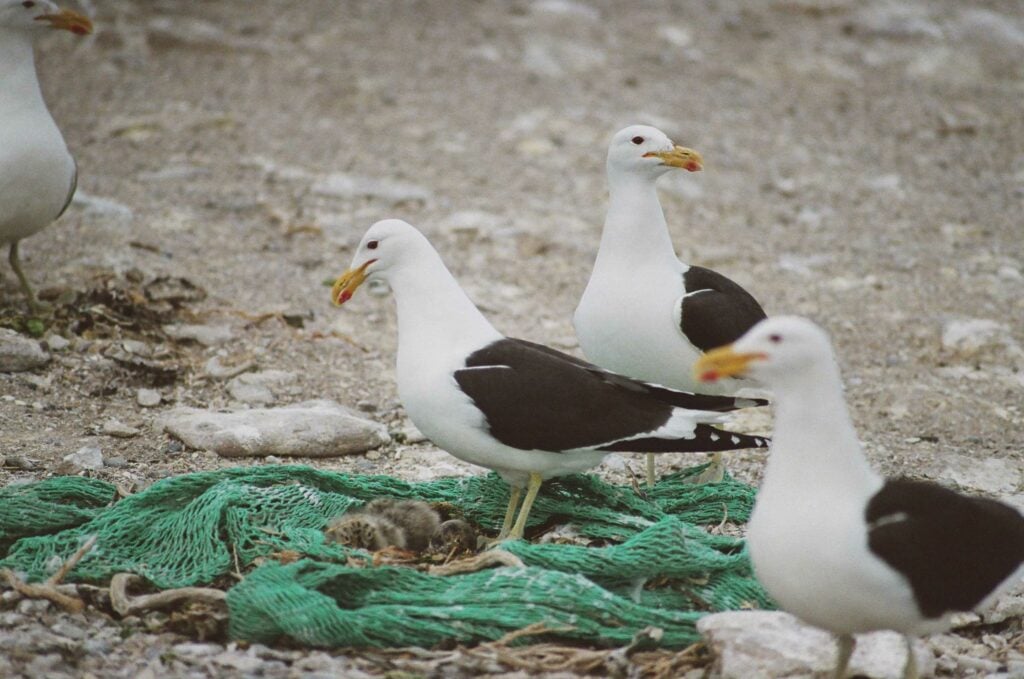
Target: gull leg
column 910, row 669
column 650, row 470
column 513, row 501
column 846, row 644
column 12, row 257
column 524, row 512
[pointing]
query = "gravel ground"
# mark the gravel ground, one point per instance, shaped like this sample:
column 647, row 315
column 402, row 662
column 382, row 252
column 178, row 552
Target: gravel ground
column 864, row 167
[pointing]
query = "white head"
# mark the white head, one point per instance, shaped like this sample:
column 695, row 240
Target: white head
column 37, row 15
column 775, row 351
column 647, row 151
column 387, row 245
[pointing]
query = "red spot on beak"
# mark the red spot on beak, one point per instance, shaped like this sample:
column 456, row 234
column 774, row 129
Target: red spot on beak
column 345, row 296
column 709, row 376
column 693, row 166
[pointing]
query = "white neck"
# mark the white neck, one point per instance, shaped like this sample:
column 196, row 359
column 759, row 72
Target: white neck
column 815, row 437
column 434, row 314
column 19, row 86
column 634, row 229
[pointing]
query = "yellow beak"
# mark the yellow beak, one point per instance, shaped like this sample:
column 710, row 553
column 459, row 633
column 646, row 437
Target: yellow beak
column 723, row 362
column 681, row 157
column 346, row 285
column 69, row 21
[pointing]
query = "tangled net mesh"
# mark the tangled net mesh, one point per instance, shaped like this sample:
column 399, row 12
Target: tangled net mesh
column 654, row 564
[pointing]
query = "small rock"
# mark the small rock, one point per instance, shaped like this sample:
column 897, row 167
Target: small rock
column 967, row 338
column 56, row 343
column 896, row 21
column 136, row 347
column 993, row 475
column 242, row 662
column 410, row 434
column 769, row 644
column 21, row 462
column 19, row 353
column 311, row 429
column 101, row 207
column 66, row 629
column 207, row 335
column 340, row 185
column 1008, row 606
column 116, row 462
column 258, row 387
column 118, row 429
column 197, row 649
column 86, row 457
column 148, row 398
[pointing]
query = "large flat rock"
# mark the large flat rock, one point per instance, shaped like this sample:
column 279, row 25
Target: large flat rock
column 773, row 644
column 310, row 429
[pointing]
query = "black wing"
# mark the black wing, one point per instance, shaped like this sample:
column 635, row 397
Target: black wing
column 682, row 399
column 71, row 190
column 535, row 398
column 954, row 549
column 716, row 311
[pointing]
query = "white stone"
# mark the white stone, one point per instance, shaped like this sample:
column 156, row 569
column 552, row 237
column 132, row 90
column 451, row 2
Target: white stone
column 56, row 343
column 568, row 8
column 100, row 207
column 341, row 185
column 259, row 387
column 86, row 457
column 971, row 336
column 19, row 353
column 896, row 20
column 311, row 429
column 207, row 335
column 993, row 475
column 118, row 429
column 771, row 644
column 148, row 398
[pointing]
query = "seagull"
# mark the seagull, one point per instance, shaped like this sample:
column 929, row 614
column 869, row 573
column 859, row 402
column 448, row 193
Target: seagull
column 525, row 410
column 833, row 542
column 38, row 176
column 644, row 313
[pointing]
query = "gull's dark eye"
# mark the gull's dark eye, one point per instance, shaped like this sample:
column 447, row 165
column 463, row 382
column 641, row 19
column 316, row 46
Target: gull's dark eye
column 372, row 245
column 637, row 140
column 775, row 339
column 28, row 4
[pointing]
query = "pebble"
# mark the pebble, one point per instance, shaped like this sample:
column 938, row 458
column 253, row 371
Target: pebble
column 258, row 387
column 86, row 457
column 118, row 429
column 148, row 398
column 101, row 207
column 56, row 343
column 206, row 335
column 116, row 462
column 318, row 428
column 19, row 353
column 770, row 644
column 970, row 337
column 393, row 192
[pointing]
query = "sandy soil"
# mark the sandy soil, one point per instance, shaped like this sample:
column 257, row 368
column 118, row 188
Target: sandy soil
column 864, row 167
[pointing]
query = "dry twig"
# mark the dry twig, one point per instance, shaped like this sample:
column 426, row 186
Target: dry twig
column 125, row 604
column 48, row 588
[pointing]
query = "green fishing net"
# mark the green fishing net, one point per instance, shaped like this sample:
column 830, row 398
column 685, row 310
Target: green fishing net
column 653, row 563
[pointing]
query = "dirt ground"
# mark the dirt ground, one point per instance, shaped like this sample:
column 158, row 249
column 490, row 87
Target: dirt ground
column 864, row 167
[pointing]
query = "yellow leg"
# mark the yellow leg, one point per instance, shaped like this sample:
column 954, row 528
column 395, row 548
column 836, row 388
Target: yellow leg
column 13, row 258
column 524, row 512
column 513, row 501
column 651, row 478
column 846, row 644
